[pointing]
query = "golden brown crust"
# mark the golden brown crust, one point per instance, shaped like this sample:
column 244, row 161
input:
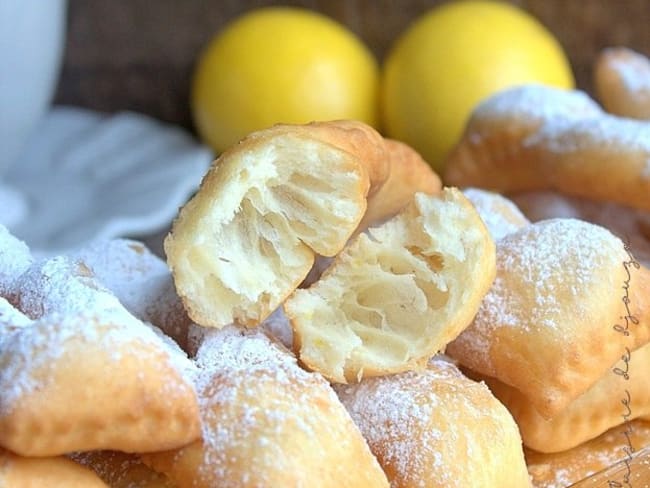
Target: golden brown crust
column 354, row 137
column 437, row 428
column 539, row 138
column 409, row 174
column 52, row 472
column 547, row 325
column 622, row 82
column 90, row 382
column 265, row 209
column 621, row 394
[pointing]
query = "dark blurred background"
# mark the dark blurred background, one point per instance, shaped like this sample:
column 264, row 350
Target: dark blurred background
column 139, row 54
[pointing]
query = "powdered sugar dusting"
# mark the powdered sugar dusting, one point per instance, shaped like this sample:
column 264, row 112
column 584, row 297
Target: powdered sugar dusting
column 15, row 258
column 29, row 355
column 62, row 286
column 140, row 280
column 500, row 215
column 396, row 416
column 609, row 132
column 633, row 70
column 243, row 374
column 538, row 103
column 125, row 267
column 546, row 273
column 10, row 317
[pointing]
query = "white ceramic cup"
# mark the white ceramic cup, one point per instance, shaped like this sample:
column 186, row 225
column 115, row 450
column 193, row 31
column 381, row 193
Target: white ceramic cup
column 32, row 37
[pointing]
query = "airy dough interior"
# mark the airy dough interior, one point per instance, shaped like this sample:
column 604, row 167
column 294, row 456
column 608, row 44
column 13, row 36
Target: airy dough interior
column 397, row 294
column 249, row 236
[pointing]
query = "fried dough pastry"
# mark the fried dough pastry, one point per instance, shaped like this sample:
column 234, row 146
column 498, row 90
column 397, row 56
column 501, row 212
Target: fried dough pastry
column 621, row 393
column 409, row 174
column 122, row 470
column 500, row 215
column 15, row 258
column 541, row 138
column 622, row 82
column 437, row 428
column 141, row 281
column 96, row 381
column 51, row 472
column 266, row 422
column 398, row 294
column 62, row 286
column 547, row 325
column 631, row 225
column 565, row 468
column 264, row 210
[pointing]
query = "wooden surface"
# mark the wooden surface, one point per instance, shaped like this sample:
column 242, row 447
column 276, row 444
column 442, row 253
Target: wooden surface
column 139, row 54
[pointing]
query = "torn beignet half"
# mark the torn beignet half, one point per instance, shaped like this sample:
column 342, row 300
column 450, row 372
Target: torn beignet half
column 548, row 325
column 437, row 428
column 622, row 82
column 398, row 294
column 264, row 210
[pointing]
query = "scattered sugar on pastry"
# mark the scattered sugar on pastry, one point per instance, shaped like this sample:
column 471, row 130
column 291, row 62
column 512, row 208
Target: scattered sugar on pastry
column 562, row 469
column 51, row 472
column 15, row 258
column 546, row 327
column 629, row 224
column 122, row 470
column 397, row 294
column 622, row 393
column 266, row 422
column 141, row 281
column 562, row 142
column 62, row 286
column 437, row 428
column 264, row 210
column 96, row 381
column 622, row 82
column 500, row 215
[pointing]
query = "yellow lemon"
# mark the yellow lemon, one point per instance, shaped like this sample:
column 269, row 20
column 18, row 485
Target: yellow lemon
column 454, row 56
column 281, row 64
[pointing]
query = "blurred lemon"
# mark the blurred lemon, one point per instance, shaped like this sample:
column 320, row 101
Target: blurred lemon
column 281, row 64
column 453, row 57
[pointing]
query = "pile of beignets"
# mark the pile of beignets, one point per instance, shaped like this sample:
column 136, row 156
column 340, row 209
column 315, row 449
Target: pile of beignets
column 331, row 315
